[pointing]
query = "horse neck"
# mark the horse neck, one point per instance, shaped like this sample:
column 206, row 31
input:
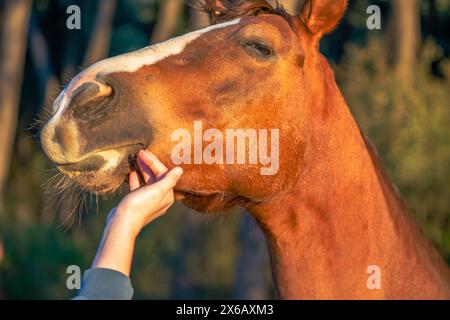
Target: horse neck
column 342, row 216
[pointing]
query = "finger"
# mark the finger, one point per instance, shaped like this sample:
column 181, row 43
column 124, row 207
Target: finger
column 169, row 180
column 134, row 181
column 151, row 161
column 148, row 175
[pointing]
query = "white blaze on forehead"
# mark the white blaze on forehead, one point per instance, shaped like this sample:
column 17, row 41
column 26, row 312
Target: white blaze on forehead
column 131, row 62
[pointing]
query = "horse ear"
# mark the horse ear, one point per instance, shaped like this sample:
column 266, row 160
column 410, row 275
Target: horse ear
column 322, row 16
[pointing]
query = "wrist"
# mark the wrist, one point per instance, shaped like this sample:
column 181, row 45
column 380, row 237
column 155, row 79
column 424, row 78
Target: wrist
column 121, row 224
column 115, row 251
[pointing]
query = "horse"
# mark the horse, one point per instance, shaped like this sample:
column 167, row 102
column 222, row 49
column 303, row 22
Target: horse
column 330, row 213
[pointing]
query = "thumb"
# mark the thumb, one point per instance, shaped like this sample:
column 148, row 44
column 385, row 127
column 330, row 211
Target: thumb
column 169, row 180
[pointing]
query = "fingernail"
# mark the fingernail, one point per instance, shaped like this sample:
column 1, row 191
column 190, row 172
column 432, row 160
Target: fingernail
column 150, row 154
column 140, row 152
column 178, row 171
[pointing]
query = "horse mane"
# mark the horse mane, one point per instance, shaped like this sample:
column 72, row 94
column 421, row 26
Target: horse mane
column 226, row 10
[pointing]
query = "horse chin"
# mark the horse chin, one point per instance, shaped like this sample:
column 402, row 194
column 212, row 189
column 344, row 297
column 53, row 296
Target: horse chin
column 100, row 182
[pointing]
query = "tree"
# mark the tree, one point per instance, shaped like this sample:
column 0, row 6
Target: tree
column 39, row 52
column 405, row 37
column 167, row 20
column 101, row 33
column 13, row 40
column 198, row 19
column 14, row 15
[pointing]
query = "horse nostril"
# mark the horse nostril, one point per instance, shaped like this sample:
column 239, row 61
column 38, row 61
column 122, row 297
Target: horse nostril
column 89, row 98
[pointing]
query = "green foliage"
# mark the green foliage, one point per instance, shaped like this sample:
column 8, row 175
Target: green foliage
column 36, row 260
column 408, row 124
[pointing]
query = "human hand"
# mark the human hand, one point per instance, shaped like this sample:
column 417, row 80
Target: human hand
column 144, row 204
column 141, row 206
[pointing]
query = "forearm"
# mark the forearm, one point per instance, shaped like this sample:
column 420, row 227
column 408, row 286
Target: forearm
column 116, row 248
column 108, row 277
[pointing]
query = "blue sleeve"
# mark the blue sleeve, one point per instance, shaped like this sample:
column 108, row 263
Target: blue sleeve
column 105, row 284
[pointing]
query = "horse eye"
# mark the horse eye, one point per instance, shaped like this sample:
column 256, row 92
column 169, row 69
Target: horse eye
column 259, row 48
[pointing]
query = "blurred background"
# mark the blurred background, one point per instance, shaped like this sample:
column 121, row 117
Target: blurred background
column 396, row 81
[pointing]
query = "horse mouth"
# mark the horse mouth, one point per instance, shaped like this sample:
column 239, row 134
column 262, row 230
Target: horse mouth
column 98, row 160
column 92, row 163
column 102, row 172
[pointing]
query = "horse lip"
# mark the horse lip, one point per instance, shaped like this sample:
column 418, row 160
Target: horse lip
column 87, row 164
